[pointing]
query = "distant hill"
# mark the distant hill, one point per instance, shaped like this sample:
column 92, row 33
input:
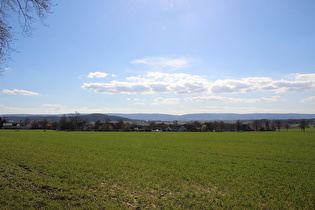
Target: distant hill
column 56, row 118
column 161, row 117
column 209, row 116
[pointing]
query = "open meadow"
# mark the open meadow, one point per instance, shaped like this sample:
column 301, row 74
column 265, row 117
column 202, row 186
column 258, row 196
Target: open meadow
column 189, row 170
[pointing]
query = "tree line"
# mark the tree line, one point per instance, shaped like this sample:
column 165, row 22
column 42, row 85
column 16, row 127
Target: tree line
column 75, row 122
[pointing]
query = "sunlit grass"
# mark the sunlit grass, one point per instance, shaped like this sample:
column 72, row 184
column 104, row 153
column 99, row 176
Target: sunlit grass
column 157, row 170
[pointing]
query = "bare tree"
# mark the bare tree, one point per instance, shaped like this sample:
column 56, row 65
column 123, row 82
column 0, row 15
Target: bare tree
column 215, row 125
column 209, row 126
column 152, row 125
column 222, row 126
column 256, row 125
column 273, row 125
column 107, row 124
column 120, row 124
column 278, row 124
column 303, row 125
column 26, row 11
column 287, row 125
column 267, row 125
column 98, row 125
column 238, row 125
column 64, row 123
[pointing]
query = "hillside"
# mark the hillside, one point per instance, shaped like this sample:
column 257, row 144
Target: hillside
column 55, row 118
column 160, row 117
column 213, row 116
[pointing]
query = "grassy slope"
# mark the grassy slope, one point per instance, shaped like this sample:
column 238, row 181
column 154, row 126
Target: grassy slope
column 162, row 170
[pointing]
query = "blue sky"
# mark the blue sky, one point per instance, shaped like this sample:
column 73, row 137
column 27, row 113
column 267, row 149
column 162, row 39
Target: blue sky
column 165, row 56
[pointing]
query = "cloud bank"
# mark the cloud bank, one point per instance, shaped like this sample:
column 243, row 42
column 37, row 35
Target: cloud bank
column 231, row 100
column 186, row 84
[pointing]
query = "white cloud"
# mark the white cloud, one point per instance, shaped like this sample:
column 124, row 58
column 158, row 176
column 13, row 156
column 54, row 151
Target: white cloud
column 181, row 83
column 309, row 77
column 310, row 99
column 163, row 62
column 244, row 110
column 252, row 84
column 7, row 69
column 54, row 106
column 166, row 101
column 97, row 75
column 301, row 83
column 230, row 99
column 153, row 82
column 139, row 99
column 139, row 103
column 49, row 109
column 26, row 110
column 115, row 87
column 20, row 92
column 103, row 110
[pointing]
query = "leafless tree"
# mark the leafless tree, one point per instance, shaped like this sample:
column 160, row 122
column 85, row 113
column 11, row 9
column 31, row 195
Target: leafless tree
column 303, row 125
column 27, row 12
column 278, row 124
column 267, row 125
column 287, row 125
column 256, row 125
column 273, row 125
column 238, row 125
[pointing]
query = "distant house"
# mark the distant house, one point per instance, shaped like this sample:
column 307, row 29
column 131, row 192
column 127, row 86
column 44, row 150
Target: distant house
column 7, row 126
column 181, row 129
column 11, row 126
column 168, row 129
column 27, row 126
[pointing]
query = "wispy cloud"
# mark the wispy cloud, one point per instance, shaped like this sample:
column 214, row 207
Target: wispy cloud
column 163, row 62
column 244, row 110
column 7, row 69
column 54, row 106
column 310, row 99
column 231, row 99
column 97, row 75
column 166, row 101
column 181, row 83
column 20, row 92
column 137, row 101
column 58, row 109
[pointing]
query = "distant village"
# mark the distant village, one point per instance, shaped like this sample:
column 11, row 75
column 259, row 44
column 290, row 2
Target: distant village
column 78, row 123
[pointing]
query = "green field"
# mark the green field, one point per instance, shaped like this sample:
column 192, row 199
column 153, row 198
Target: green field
column 88, row 170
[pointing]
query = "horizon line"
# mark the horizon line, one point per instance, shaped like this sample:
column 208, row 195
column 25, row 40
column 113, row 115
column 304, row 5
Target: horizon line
column 86, row 113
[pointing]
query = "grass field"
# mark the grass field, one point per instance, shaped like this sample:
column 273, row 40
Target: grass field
column 254, row 170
